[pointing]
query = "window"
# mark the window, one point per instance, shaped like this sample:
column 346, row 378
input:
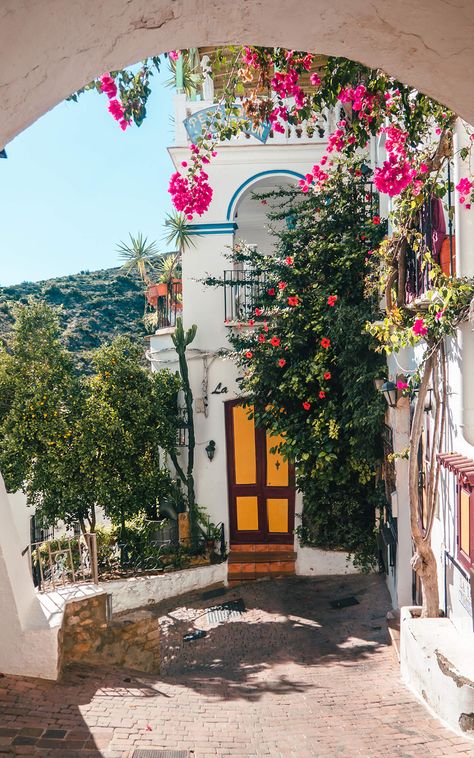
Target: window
column 465, row 530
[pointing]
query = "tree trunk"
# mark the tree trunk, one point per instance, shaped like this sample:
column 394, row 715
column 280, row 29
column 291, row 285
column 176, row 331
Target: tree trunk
column 423, row 561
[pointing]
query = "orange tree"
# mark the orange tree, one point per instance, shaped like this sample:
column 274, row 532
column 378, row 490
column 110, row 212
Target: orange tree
column 307, row 364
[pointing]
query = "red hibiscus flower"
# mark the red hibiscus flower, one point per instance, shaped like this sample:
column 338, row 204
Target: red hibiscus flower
column 249, row 354
column 275, row 341
column 251, row 322
column 376, row 220
column 281, row 362
column 289, row 260
column 258, row 311
column 322, row 395
column 265, row 326
column 327, row 375
column 325, row 343
column 271, row 291
column 261, row 338
column 293, row 300
column 306, row 405
column 281, row 285
column 332, row 299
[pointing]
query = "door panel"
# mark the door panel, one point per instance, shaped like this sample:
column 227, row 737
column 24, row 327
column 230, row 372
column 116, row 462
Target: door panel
column 247, row 513
column 277, row 468
column 277, row 515
column 261, row 482
column 244, row 446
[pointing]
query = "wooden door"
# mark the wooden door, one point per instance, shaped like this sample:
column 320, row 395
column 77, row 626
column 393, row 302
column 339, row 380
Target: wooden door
column 261, row 482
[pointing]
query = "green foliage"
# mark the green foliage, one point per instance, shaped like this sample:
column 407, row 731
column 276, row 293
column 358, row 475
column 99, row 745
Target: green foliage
column 138, row 255
column 73, row 443
column 335, row 440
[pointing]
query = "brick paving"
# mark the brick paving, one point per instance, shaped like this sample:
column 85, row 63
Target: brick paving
column 290, row 677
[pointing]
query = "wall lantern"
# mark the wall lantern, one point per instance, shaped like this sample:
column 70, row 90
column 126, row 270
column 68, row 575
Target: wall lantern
column 389, row 391
column 210, row 449
column 429, row 400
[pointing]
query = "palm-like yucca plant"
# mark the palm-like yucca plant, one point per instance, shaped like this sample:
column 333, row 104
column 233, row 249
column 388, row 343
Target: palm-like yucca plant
column 179, row 232
column 168, row 267
column 139, row 255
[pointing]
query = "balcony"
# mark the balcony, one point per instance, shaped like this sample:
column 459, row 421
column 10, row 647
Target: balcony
column 243, row 291
column 167, row 300
column 438, row 240
column 193, row 116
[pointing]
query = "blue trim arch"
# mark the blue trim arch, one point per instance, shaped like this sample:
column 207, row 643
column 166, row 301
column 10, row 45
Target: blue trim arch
column 251, row 180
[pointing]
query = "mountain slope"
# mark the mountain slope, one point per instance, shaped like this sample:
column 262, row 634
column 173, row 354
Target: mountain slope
column 96, row 307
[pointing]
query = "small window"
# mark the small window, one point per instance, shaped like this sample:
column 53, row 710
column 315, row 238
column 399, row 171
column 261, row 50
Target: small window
column 465, row 536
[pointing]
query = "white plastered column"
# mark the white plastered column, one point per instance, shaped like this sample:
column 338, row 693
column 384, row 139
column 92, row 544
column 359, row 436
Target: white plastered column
column 28, row 642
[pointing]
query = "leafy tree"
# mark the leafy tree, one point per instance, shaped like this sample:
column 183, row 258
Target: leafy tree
column 308, row 369
column 73, row 443
column 130, row 418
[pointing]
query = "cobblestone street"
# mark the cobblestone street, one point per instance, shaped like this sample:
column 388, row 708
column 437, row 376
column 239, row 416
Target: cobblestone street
column 290, row 676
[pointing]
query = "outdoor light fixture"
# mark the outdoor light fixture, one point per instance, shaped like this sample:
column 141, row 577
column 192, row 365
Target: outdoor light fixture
column 366, row 170
column 210, row 449
column 429, row 400
column 389, row 390
column 378, row 383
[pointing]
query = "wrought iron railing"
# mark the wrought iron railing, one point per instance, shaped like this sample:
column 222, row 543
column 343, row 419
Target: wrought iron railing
column 63, row 561
column 437, row 239
column 170, row 305
column 243, row 291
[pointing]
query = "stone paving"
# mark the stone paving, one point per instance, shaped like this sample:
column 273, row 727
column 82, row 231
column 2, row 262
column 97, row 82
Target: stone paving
column 291, row 676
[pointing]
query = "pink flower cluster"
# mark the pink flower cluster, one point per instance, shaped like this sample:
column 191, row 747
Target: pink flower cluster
column 317, row 176
column 397, row 172
column 361, row 100
column 464, row 187
column 108, row 86
column 250, row 57
column 419, row 328
column 286, row 85
column 192, row 194
column 281, row 112
column 174, row 54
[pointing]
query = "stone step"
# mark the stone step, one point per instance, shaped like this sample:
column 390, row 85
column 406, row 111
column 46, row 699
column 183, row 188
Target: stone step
column 267, row 557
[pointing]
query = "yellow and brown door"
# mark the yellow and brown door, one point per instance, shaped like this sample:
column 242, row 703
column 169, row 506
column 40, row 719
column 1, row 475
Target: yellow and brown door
column 261, row 483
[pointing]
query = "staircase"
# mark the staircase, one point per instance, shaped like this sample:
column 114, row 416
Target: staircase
column 248, row 562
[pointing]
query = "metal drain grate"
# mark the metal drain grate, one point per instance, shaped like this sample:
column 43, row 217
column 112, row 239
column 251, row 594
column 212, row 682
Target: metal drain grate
column 344, row 602
column 152, row 752
column 226, row 611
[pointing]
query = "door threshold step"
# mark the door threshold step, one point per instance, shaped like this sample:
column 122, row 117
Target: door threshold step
column 267, row 557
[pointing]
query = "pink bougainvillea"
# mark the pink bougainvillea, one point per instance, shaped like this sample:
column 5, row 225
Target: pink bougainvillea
column 419, row 328
column 190, row 195
column 109, row 88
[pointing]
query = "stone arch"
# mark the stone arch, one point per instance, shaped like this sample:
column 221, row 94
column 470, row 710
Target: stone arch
column 50, row 49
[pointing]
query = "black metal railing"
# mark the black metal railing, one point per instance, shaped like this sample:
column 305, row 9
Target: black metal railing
column 243, row 291
column 170, row 305
column 437, row 239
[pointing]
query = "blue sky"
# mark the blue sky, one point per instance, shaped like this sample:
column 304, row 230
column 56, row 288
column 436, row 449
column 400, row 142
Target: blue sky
column 74, row 185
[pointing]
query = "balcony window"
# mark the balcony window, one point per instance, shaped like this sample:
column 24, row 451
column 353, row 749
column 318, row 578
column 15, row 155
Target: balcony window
column 167, row 300
column 243, row 291
column 437, row 239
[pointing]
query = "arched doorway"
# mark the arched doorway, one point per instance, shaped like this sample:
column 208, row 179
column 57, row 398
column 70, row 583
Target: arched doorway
column 49, row 50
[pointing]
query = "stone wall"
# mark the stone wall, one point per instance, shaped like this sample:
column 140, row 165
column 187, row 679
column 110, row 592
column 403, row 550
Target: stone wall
column 88, row 636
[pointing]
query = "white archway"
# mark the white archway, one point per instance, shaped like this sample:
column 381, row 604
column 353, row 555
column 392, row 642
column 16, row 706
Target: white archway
column 49, row 49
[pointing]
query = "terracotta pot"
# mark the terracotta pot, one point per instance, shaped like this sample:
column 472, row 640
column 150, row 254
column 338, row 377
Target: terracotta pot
column 162, row 289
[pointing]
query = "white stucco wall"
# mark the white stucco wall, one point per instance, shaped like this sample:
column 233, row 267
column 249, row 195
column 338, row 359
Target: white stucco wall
column 28, row 642
column 146, row 590
column 437, row 664
column 311, row 561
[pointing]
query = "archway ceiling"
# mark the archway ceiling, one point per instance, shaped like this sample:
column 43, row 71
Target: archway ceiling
column 49, row 48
